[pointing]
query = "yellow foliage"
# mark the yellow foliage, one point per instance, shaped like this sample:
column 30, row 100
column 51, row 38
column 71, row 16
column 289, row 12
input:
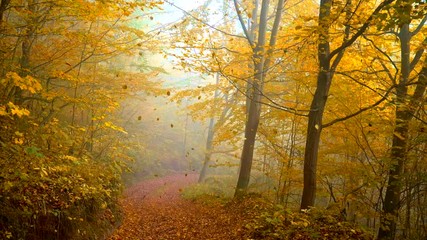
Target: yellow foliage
column 25, row 83
column 18, row 111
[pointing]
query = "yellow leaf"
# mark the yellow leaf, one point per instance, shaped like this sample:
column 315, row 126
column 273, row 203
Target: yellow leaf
column 71, row 158
column 18, row 141
column 398, row 135
column 19, row 134
column 15, row 110
column 3, row 111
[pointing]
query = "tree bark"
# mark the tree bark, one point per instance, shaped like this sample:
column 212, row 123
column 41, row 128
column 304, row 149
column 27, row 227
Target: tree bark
column 3, row 6
column 404, row 112
column 324, row 80
column 208, row 154
column 254, row 112
column 211, row 132
column 261, row 65
column 317, row 108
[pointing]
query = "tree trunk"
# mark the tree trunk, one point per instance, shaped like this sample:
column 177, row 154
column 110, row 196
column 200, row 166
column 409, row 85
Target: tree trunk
column 3, row 6
column 317, row 108
column 261, row 63
column 405, row 111
column 211, row 132
column 252, row 25
column 26, row 46
column 252, row 122
column 208, row 154
column 248, row 146
column 391, row 203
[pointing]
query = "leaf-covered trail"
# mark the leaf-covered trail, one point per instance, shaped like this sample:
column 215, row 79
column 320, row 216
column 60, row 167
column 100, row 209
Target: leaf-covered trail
column 154, row 209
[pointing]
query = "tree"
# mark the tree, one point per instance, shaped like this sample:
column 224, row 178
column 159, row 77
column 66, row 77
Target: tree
column 406, row 106
column 62, row 147
column 328, row 62
column 261, row 59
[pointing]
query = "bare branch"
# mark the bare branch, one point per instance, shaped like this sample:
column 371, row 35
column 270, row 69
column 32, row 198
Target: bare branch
column 420, row 26
column 418, row 55
column 360, row 110
column 361, row 30
column 203, row 22
column 345, row 39
column 242, row 23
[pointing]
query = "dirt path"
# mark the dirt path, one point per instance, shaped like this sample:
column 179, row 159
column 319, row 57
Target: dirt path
column 154, row 209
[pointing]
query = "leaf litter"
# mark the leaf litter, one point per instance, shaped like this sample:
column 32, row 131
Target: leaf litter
column 154, row 209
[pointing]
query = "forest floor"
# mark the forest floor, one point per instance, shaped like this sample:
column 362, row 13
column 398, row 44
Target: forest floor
column 155, row 209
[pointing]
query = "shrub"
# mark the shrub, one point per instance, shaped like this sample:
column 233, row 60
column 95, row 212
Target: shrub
column 281, row 223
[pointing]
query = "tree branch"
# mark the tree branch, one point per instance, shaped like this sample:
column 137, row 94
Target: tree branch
column 420, row 26
column 361, row 30
column 242, row 23
column 360, row 111
column 418, row 55
column 345, row 39
column 201, row 21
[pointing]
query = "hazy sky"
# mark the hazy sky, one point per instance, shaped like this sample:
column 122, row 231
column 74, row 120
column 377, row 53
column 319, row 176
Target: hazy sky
column 172, row 13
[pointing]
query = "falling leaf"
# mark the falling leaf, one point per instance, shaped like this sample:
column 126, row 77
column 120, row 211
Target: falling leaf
column 398, row 135
column 168, row 93
column 139, row 117
column 171, row 125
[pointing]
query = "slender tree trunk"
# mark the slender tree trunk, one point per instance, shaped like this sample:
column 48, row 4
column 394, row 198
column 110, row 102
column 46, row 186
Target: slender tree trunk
column 261, row 65
column 391, row 203
column 248, row 146
column 405, row 110
column 317, row 108
column 211, row 132
column 3, row 7
column 26, row 46
column 208, row 154
column 324, row 79
column 252, row 122
column 253, row 24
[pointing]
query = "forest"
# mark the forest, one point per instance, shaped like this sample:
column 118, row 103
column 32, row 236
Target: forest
column 213, row 119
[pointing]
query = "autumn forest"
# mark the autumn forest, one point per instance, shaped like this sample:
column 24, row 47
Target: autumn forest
column 213, row 119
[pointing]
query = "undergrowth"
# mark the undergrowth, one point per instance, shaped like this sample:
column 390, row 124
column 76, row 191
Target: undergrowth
column 268, row 221
column 280, row 223
column 215, row 187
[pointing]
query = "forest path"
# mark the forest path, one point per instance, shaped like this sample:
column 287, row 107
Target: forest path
column 154, row 209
